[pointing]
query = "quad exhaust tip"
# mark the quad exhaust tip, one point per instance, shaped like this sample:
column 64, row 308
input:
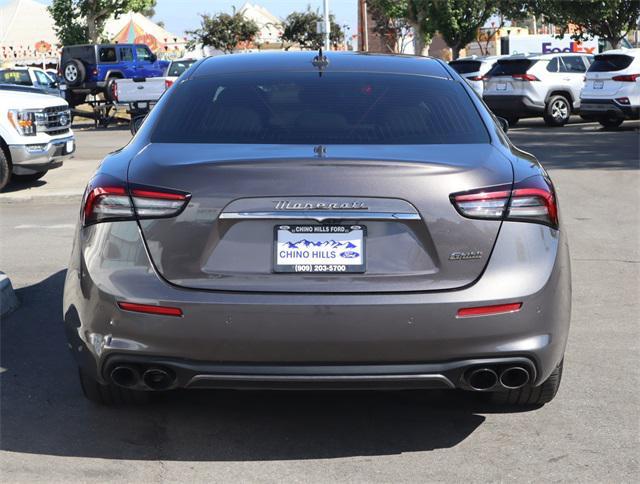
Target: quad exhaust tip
column 482, row 379
column 514, row 378
column 125, row 376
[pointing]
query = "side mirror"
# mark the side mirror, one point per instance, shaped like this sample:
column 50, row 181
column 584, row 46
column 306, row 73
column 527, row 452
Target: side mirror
column 153, row 58
column 504, row 124
column 55, row 84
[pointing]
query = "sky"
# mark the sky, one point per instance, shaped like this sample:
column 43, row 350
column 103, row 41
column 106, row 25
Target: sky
column 181, row 15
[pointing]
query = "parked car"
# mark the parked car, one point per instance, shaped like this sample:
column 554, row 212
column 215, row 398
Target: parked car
column 35, row 133
column 547, row 85
column 175, row 69
column 473, row 69
column 140, row 95
column 611, row 92
column 361, row 228
column 31, row 77
column 92, row 68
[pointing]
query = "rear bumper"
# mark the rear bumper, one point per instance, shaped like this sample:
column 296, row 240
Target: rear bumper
column 520, row 106
column 237, row 339
column 38, row 157
column 608, row 107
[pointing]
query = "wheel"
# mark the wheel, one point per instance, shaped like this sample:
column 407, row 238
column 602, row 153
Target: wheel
column 108, row 89
column 31, row 177
column 557, row 111
column 135, row 124
column 513, row 120
column 74, row 72
column 5, row 169
column 76, row 98
column 610, row 122
column 529, row 395
column 110, row 394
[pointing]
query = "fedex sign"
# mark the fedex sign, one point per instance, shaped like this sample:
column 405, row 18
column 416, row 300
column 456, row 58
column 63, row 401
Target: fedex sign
column 548, row 48
column 548, row 44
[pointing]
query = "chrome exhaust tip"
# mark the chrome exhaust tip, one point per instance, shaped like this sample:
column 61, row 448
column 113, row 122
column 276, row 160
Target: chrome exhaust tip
column 514, row 377
column 158, row 379
column 482, row 379
column 125, row 376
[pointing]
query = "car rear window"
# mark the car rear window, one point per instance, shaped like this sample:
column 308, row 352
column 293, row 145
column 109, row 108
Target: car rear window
column 178, row 67
column 20, row 77
column 511, row 67
column 309, row 108
column 610, row 62
column 466, row 67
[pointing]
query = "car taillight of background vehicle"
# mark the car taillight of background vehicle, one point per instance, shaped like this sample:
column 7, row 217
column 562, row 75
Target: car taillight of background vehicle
column 531, row 200
column 626, row 78
column 524, row 77
column 114, row 90
column 167, row 84
column 105, row 200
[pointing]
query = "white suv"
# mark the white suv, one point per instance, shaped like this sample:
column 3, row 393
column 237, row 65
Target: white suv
column 547, row 85
column 473, row 69
column 611, row 91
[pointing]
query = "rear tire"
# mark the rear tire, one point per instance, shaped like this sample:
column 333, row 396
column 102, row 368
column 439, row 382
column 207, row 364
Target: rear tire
column 109, row 394
column 610, row 122
column 557, row 111
column 5, row 169
column 529, row 395
column 108, row 89
column 31, row 177
column 512, row 121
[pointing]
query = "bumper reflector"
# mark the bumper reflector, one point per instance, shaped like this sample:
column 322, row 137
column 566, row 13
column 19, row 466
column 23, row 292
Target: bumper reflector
column 488, row 310
column 149, row 309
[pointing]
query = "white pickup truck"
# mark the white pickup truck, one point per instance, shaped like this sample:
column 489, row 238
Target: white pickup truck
column 35, row 133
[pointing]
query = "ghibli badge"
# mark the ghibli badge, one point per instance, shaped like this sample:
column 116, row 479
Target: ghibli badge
column 465, row 255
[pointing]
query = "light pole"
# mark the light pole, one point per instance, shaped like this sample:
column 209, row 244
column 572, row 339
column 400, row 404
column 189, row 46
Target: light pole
column 327, row 26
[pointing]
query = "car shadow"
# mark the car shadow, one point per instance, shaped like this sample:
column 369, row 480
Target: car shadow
column 42, row 410
column 15, row 186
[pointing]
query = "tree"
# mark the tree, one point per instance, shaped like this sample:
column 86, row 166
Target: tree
column 459, row 20
column 301, row 28
column 610, row 20
column 390, row 23
column 223, row 31
column 78, row 21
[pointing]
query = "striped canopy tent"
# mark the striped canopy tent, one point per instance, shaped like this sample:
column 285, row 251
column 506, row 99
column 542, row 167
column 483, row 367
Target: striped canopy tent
column 135, row 28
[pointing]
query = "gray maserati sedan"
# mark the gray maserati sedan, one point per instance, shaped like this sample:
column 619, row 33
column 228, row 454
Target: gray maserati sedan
column 309, row 220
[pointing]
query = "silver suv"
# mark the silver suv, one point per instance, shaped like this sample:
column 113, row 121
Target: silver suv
column 547, row 85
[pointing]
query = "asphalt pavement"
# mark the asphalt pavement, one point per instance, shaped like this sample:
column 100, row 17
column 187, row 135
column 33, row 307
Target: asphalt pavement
column 589, row 433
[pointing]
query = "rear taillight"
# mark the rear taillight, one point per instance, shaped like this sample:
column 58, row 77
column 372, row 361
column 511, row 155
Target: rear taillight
column 476, row 78
column 626, row 78
column 106, row 200
column 167, row 84
column 114, row 90
column 524, row 77
column 531, row 200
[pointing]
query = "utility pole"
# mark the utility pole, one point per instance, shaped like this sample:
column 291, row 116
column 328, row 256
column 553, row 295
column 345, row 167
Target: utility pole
column 327, row 26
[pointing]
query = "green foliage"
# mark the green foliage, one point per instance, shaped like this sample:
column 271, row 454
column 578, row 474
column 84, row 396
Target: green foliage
column 68, row 24
column 390, row 22
column 78, row 21
column 607, row 19
column 301, row 28
column 459, row 20
column 223, row 31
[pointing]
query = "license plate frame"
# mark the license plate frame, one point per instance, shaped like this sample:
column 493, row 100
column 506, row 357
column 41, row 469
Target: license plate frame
column 598, row 84
column 350, row 237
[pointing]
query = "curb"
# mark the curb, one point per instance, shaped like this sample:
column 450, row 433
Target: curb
column 8, row 298
column 44, row 197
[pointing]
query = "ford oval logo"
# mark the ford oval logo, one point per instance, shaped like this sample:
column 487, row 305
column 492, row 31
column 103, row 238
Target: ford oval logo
column 63, row 120
column 349, row 254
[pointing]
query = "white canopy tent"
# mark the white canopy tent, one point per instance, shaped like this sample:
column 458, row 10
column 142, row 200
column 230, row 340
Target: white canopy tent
column 26, row 32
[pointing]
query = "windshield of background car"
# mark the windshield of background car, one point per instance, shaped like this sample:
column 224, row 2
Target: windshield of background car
column 10, row 76
column 466, row 67
column 511, row 67
column 610, row 62
column 306, row 108
column 178, row 67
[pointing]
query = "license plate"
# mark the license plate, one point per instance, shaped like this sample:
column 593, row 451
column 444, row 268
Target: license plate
column 598, row 84
column 319, row 248
column 69, row 146
column 63, row 87
column 501, row 86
